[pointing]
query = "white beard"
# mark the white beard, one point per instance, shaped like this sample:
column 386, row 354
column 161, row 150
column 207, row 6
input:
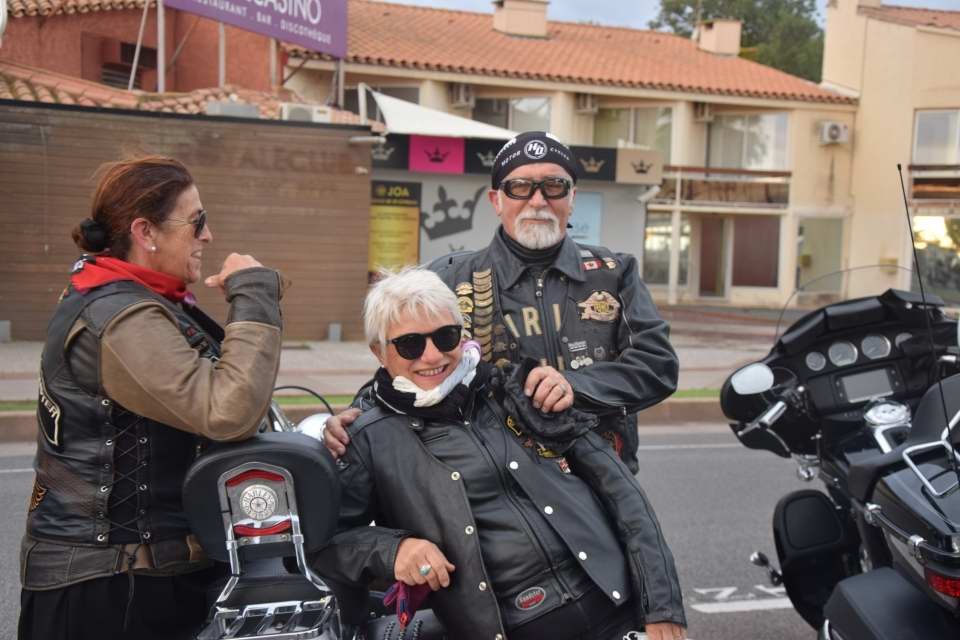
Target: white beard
column 538, row 235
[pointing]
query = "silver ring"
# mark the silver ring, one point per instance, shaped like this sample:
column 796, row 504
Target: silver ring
column 425, row 569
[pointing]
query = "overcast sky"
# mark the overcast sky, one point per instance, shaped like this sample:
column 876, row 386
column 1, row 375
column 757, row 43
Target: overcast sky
column 624, row 13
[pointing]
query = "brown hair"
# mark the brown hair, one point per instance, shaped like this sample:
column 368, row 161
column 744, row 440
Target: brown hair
column 142, row 187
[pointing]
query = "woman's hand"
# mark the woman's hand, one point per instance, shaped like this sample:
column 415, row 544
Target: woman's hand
column 234, row 262
column 415, row 554
column 665, row 631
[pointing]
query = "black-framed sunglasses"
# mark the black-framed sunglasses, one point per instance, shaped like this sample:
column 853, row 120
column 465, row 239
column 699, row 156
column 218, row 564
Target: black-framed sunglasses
column 552, row 188
column 198, row 224
column 411, row 346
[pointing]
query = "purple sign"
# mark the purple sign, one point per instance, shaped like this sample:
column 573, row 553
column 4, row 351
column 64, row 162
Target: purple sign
column 318, row 25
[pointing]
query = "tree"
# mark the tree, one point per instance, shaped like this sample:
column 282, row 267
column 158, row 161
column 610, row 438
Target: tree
column 783, row 34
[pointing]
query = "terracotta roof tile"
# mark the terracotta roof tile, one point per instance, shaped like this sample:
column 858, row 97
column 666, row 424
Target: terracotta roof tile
column 943, row 18
column 465, row 42
column 22, row 8
column 19, row 82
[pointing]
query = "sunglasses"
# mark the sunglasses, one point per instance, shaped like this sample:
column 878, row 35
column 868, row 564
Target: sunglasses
column 523, row 189
column 411, row 346
column 198, row 224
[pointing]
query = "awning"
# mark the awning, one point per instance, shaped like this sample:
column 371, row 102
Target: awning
column 405, row 117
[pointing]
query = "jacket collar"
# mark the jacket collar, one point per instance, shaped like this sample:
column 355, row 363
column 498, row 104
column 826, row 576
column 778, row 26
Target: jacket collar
column 510, row 268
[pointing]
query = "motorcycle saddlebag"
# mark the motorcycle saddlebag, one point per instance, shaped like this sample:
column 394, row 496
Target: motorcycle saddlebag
column 812, row 541
column 883, row 605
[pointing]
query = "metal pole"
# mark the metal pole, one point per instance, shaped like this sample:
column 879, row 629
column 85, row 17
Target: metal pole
column 273, row 63
column 222, row 54
column 161, row 50
column 136, row 52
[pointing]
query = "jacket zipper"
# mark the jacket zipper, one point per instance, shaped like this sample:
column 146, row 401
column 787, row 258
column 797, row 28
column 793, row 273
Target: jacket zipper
column 518, row 509
column 548, row 336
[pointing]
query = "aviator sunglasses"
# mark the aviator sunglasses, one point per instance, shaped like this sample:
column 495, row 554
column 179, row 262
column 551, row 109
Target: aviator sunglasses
column 552, row 188
column 198, row 224
column 411, row 346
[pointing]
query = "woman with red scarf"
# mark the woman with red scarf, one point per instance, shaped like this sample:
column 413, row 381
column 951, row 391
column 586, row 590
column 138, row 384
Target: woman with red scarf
column 134, row 380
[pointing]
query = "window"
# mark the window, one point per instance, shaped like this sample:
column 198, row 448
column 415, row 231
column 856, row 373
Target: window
column 756, row 251
column 351, row 101
column 646, row 127
column 756, row 142
column 519, row 114
column 937, row 240
column 937, row 137
column 656, row 248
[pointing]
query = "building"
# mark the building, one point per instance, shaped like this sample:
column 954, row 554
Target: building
column 898, row 63
column 755, row 191
column 280, row 189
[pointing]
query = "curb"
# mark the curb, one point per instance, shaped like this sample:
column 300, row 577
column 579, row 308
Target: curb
column 21, row 426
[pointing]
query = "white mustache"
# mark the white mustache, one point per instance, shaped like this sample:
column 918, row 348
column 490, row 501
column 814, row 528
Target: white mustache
column 537, row 214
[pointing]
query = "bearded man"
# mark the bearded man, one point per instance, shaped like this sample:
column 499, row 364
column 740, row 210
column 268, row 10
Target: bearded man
column 581, row 311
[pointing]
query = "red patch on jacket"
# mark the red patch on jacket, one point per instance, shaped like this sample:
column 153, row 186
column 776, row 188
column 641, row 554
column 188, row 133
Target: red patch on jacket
column 530, row 598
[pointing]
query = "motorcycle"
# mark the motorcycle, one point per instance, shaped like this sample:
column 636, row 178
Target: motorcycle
column 864, row 395
column 261, row 506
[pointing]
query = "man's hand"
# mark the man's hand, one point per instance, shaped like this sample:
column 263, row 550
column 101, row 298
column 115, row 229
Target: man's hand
column 234, row 262
column 548, row 390
column 335, row 436
column 415, row 554
column 665, row 631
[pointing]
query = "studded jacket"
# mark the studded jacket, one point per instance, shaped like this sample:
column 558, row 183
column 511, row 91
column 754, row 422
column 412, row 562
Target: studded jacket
column 588, row 315
column 522, row 528
column 131, row 387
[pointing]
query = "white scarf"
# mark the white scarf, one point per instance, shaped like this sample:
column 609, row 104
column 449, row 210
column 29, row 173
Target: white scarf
column 464, row 373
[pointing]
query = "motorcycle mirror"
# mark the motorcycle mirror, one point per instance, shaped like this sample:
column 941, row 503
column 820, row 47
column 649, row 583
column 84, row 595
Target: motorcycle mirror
column 753, row 378
column 313, row 425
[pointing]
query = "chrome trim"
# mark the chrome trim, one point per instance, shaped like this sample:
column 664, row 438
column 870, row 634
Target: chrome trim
column 916, row 470
column 879, row 435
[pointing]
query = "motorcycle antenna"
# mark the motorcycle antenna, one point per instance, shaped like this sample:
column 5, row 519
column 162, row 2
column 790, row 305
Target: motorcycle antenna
column 923, row 296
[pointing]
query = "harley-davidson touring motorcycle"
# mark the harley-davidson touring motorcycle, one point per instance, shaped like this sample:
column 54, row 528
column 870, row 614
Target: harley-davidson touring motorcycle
column 864, row 395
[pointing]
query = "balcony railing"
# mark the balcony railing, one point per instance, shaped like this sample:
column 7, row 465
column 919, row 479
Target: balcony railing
column 729, row 188
column 935, row 184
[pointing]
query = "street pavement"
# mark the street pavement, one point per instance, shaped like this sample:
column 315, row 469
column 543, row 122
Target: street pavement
column 710, row 342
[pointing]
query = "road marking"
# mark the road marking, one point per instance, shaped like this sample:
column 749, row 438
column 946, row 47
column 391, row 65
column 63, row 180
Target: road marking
column 737, row 606
column 27, row 470
column 664, row 447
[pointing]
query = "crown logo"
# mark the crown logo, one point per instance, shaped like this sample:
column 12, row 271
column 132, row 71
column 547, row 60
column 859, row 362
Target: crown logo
column 592, row 165
column 487, row 159
column 448, row 216
column 382, row 152
column 642, row 167
column 436, row 155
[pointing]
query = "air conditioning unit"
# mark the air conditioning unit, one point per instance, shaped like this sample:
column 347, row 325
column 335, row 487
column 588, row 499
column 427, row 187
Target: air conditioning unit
column 702, row 112
column 832, row 132
column 297, row 112
column 587, row 103
column 462, row 96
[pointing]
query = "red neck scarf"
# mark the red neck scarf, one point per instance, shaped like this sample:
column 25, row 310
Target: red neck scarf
column 103, row 270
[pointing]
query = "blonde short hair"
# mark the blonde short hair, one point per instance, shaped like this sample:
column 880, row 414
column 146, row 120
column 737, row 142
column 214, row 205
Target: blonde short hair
column 413, row 291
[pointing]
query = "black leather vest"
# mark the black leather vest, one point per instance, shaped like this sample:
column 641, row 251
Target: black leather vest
column 104, row 474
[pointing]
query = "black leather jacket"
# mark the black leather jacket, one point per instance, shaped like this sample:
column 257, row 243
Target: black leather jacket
column 588, row 314
column 597, row 517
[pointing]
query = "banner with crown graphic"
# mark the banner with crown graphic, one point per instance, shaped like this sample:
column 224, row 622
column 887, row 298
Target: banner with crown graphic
column 639, row 166
column 392, row 153
column 596, row 163
column 432, row 154
column 481, row 154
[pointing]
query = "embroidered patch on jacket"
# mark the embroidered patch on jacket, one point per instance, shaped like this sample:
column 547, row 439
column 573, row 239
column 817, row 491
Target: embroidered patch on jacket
column 37, row 496
column 614, row 439
column 48, row 416
column 530, row 598
column 601, row 306
column 590, row 265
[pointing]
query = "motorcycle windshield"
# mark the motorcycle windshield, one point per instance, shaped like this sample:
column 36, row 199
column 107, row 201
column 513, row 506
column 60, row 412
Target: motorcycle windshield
column 849, row 338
